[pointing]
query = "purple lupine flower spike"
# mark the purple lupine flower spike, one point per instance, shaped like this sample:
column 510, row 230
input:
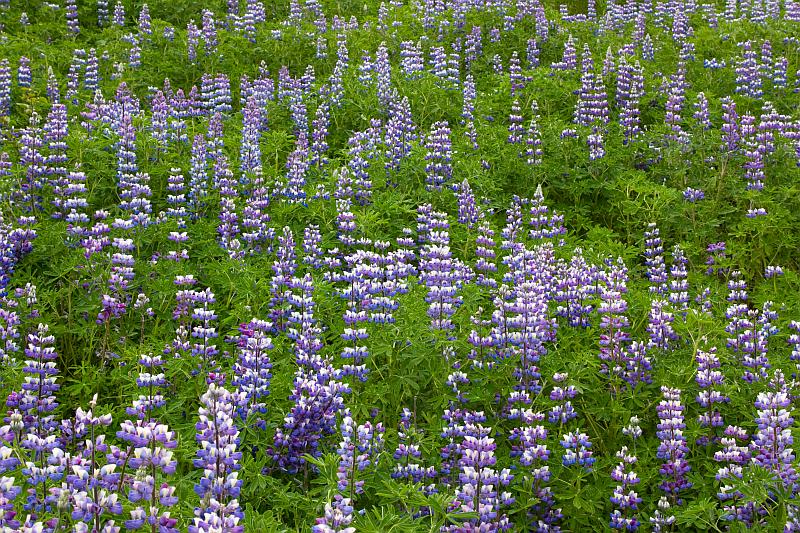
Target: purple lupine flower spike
column 673, row 449
column 218, row 458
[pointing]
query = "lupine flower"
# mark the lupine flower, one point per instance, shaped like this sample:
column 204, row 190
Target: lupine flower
column 204, row 331
column 92, row 485
column 613, row 320
column 529, row 444
column 480, row 484
column 256, row 232
column 37, row 400
column 595, row 143
column 152, row 381
column 383, row 71
column 676, row 96
column 408, row 452
column 473, row 46
column 515, row 74
column 360, row 147
column 23, row 73
column 748, row 78
column 709, row 379
column 5, row 85
column 533, row 329
column 625, row 499
column 771, row 445
column 411, row 63
column 716, row 256
column 654, row 260
column 319, row 135
column 283, row 270
column 228, row 228
column 661, row 519
column 218, row 457
column 659, row 325
column 533, row 138
column 563, row 411
column 192, row 40
column 439, row 271
column 144, row 20
column 252, row 370
column 515, row 128
column 209, row 33
column 358, row 450
column 400, row 133
column 794, row 342
column 468, row 212
column 575, row 285
column 577, row 450
column 357, row 277
column 730, row 125
column 734, row 457
column 250, row 158
column 673, row 447
column 468, row 110
column 701, row 114
column 297, row 166
column 569, row 61
column 439, row 156
column 592, row 105
column 71, row 9
column 148, row 453
column 311, row 246
column 338, row 517
column 742, row 330
column 693, row 195
column 317, row 393
column 198, row 177
column 484, row 251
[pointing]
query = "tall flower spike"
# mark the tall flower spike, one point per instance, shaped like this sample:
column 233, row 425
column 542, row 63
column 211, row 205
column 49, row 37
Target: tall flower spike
column 575, row 285
column 709, row 378
column 625, row 499
column 151, row 382
column 408, row 452
column 283, row 270
column 218, row 457
column 92, row 485
column 149, row 454
column 592, row 105
column 204, row 331
column 480, row 486
column 733, row 456
column 439, row 169
column 468, row 212
column 613, row 319
column 771, row 445
column 673, row 447
column 358, row 450
column 654, row 260
column 577, row 450
column 250, row 158
column 533, row 138
column 252, row 370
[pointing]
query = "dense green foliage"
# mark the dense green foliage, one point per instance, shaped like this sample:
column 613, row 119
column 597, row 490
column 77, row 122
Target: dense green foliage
column 606, row 203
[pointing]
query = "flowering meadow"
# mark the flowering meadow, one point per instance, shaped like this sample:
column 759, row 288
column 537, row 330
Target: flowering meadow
column 405, row 266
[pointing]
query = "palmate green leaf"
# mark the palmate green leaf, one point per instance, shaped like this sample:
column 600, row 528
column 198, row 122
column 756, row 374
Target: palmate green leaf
column 265, row 522
column 388, row 520
column 700, row 514
column 411, row 497
column 325, row 482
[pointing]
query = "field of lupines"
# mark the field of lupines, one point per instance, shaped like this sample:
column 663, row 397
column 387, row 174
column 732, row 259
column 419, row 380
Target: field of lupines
column 408, row 266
